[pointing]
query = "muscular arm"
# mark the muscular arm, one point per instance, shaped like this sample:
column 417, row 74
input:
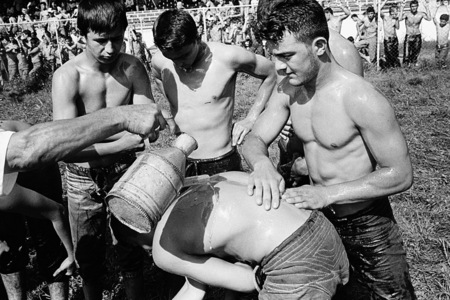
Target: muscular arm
column 142, row 89
column 52, row 141
column 265, row 182
column 259, row 67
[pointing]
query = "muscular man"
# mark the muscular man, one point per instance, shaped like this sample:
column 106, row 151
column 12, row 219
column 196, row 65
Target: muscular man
column 100, row 77
column 335, row 22
column 390, row 25
column 198, row 79
column 354, row 148
column 368, row 36
column 413, row 37
column 297, row 253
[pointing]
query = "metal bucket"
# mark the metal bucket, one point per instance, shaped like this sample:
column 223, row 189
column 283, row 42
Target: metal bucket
column 150, row 185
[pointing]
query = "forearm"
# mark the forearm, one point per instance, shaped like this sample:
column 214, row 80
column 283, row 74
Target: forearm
column 61, row 227
column 380, row 183
column 255, row 151
column 262, row 96
column 50, row 142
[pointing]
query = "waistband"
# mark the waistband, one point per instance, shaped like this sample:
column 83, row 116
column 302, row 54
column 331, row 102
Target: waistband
column 214, row 159
column 128, row 158
column 441, row 46
column 354, row 210
column 391, row 38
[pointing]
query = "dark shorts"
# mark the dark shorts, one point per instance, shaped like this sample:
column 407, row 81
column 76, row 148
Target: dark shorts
column 230, row 161
column 50, row 252
column 310, row 264
column 378, row 267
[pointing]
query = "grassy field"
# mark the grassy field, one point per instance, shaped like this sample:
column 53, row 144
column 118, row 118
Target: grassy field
column 420, row 99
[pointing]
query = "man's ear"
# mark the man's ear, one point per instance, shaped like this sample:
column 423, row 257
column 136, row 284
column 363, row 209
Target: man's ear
column 319, row 45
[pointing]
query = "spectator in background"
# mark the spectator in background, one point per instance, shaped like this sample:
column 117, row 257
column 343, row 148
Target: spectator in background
column 368, row 38
column 358, row 23
column 43, row 12
column 442, row 32
column 335, row 22
column 413, row 37
column 22, row 56
column 215, row 28
column 12, row 49
column 49, row 48
column 390, row 25
column 35, row 56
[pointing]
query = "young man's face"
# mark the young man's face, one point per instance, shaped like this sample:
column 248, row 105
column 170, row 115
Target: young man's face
column 104, row 47
column 442, row 23
column 185, row 57
column 445, row 2
column 294, row 59
column 371, row 15
column 328, row 15
column 414, row 8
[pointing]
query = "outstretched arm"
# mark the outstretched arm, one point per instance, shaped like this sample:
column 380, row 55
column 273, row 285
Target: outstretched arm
column 427, row 11
column 346, row 11
column 52, row 141
column 259, row 67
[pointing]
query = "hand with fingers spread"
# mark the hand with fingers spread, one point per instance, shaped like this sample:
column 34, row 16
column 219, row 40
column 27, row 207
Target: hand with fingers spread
column 240, row 130
column 307, row 197
column 266, row 185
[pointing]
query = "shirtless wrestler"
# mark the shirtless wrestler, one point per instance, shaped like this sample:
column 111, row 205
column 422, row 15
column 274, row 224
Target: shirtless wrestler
column 296, row 253
column 198, row 79
column 413, row 38
column 354, row 148
column 100, row 77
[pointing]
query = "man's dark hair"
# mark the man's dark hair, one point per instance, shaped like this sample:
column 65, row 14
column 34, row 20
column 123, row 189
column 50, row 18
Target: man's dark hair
column 353, row 16
column 305, row 19
column 174, row 29
column 414, row 2
column 444, row 17
column 101, row 16
column 328, row 10
column 370, row 9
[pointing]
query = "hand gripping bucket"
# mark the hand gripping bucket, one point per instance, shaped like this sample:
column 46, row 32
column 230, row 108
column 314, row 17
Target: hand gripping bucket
column 150, row 185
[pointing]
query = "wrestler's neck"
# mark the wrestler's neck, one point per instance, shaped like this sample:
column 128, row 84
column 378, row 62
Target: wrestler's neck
column 326, row 70
column 201, row 56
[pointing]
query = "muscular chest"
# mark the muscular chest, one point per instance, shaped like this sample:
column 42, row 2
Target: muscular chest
column 323, row 122
column 104, row 90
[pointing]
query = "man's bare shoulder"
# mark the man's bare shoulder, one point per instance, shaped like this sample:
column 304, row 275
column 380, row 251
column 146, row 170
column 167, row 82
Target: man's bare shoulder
column 227, row 52
column 159, row 61
column 68, row 73
column 359, row 96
